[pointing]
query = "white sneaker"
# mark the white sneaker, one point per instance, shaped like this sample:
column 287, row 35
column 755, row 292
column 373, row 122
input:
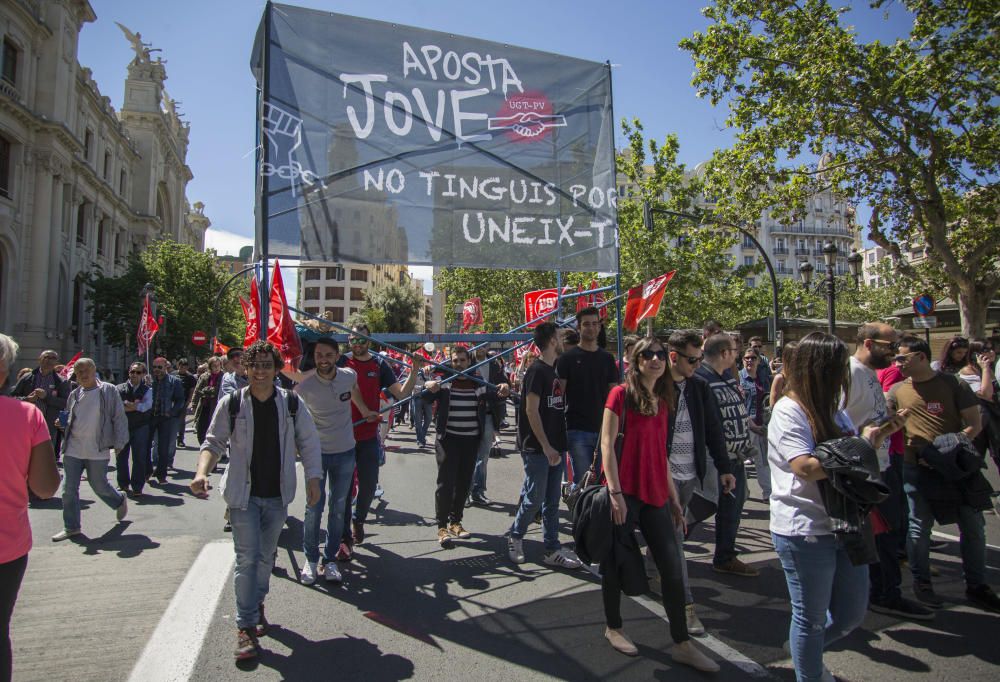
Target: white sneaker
column 308, row 574
column 64, row 535
column 562, row 558
column 332, row 574
column 122, row 510
column 515, row 549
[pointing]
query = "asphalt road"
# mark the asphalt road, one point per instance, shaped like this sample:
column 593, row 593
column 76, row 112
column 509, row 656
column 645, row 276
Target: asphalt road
column 152, row 599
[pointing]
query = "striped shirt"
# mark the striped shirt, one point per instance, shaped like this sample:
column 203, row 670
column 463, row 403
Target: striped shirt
column 463, row 419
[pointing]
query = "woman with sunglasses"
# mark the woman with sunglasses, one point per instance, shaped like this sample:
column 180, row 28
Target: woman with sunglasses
column 642, row 492
column 829, row 594
column 754, row 394
column 954, row 356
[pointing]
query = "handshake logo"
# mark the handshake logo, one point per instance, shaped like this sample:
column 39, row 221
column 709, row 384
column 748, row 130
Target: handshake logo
column 283, row 132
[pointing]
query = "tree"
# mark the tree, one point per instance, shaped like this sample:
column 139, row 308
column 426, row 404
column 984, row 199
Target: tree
column 392, row 308
column 909, row 127
column 185, row 283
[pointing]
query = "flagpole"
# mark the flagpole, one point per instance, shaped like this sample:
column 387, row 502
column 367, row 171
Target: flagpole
column 618, row 245
column 265, row 185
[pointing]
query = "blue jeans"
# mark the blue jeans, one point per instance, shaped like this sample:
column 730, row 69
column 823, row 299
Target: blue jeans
column 339, row 468
column 972, row 531
column 255, row 539
column 483, row 457
column 885, row 575
column 97, row 476
column 829, row 597
column 366, row 455
column 163, row 433
column 542, row 484
column 134, row 452
column 422, row 415
column 727, row 517
column 581, row 446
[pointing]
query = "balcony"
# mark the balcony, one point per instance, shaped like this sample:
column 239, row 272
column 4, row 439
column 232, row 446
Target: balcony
column 8, row 90
column 804, row 229
column 784, row 271
column 780, row 251
column 801, row 251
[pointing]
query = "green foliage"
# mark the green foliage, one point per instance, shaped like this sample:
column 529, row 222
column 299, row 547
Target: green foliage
column 185, row 282
column 908, row 127
column 392, row 308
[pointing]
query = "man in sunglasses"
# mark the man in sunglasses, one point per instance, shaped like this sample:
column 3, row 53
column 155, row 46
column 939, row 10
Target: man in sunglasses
column 695, row 434
column 47, row 390
column 374, row 375
column 137, row 397
column 721, row 352
column 866, row 404
column 263, row 436
column 168, row 411
column 938, row 404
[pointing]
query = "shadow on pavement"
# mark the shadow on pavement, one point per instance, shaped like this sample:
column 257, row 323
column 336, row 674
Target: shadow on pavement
column 350, row 657
column 115, row 540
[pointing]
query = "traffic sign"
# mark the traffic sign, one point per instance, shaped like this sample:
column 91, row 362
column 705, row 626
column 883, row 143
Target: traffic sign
column 926, row 322
column 923, row 305
column 199, row 338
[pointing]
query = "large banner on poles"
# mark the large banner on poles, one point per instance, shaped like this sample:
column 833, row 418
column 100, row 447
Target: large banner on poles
column 383, row 143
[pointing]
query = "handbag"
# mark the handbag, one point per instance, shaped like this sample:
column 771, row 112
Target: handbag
column 571, row 493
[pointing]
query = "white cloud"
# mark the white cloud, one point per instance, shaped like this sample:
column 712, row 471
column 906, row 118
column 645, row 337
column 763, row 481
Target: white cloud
column 226, row 243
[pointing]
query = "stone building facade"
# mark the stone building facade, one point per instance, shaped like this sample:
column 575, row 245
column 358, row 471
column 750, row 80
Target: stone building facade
column 81, row 185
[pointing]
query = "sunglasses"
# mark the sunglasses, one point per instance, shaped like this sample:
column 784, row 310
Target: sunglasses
column 893, row 346
column 692, row 359
column 650, row 354
column 905, row 357
column 357, row 341
column 136, row 371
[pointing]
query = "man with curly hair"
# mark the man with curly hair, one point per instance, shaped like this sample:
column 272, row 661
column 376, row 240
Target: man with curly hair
column 263, row 431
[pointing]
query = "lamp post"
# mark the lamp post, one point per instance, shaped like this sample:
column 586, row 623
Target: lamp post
column 854, row 264
column 830, row 258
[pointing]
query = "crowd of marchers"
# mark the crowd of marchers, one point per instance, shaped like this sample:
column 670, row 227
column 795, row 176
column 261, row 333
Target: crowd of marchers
column 858, row 456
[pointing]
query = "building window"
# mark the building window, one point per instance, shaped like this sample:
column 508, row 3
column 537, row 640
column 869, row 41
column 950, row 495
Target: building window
column 335, row 273
column 747, row 243
column 121, row 182
column 5, row 165
column 359, row 275
column 312, row 273
column 88, row 144
column 107, row 166
column 311, row 293
column 10, row 58
column 100, row 237
column 313, row 311
column 357, row 294
column 335, row 293
column 750, row 282
column 118, row 246
column 748, row 261
column 335, row 314
column 81, row 223
column 354, row 311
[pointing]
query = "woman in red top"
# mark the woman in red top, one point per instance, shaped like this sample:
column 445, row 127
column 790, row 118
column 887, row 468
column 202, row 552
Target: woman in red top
column 643, row 493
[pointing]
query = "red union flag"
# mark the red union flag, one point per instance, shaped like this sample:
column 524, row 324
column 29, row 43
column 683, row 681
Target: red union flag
column 539, row 303
column 598, row 300
column 472, row 313
column 251, row 311
column 219, row 348
column 281, row 330
column 68, row 369
column 645, row 301
column 147, row 327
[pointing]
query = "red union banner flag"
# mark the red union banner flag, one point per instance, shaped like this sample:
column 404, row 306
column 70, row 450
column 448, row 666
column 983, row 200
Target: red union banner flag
column 219, row 348
column 68, row 369
column 598, row 300
column 251, row 311
column 645, row 301
column 472, row 313
column 538, row 303
column 147, row 327
column 281, row 330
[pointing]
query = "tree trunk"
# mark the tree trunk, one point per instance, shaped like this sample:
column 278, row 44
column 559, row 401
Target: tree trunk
column 973, row 305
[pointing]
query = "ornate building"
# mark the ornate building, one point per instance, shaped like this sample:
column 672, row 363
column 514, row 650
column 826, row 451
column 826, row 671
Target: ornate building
column 81, row 185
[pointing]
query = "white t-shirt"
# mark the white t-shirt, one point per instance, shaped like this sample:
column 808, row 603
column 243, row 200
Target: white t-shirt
column 867, row 404
column 330, row 406
column 974, row 381
column 82, row 442
column 796, row 506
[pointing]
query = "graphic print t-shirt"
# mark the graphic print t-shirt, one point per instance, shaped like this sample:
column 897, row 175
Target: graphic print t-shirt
column 732, row 409
column 373, row 376
column 540, row 379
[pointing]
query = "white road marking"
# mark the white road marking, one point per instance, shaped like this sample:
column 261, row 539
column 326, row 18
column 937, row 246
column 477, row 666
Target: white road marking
column 725, row 652
column 955, row 538
column 172, row 650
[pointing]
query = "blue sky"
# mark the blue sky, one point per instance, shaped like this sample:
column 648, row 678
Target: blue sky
column 207, row 48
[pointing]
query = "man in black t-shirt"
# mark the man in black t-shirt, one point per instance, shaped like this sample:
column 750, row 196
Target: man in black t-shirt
column 541, row 436
column 586, row 374
column 188, row 382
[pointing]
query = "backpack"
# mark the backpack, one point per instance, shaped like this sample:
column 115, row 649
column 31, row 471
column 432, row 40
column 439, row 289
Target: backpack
column 234, row 407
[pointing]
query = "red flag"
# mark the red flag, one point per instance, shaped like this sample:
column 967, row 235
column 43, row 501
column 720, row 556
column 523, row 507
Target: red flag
column 147, row 327
column 472, row 313
column 281, row 329
column 645, row 301
column 581, row 300
column 251, row 311
column 68, row 369
column 218, row 348
column 598, row 300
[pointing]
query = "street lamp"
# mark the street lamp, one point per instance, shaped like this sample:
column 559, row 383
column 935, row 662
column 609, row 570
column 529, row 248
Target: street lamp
column 830, row 258
column 854, row 263
column 806, row 273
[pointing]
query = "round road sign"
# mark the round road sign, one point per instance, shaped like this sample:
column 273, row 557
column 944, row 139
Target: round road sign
column 199, row 338
column 923, row 305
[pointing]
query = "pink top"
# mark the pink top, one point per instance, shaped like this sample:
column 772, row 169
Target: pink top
column 889, row 377
column 23, row 428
